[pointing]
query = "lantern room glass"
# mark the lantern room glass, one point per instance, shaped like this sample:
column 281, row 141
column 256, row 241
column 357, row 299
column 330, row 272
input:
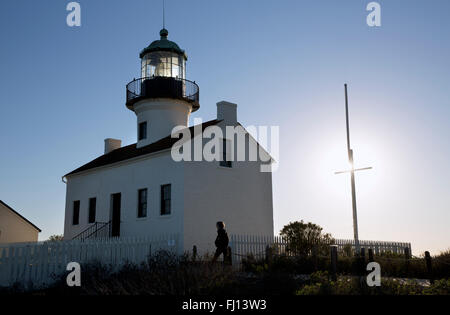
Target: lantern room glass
column 163, row 64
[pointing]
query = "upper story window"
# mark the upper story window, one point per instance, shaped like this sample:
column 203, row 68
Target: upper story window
column 166, row 198
column 92, row 210
column 142, row 203
column 142, row 131
column 226, row 150
column 76, row 212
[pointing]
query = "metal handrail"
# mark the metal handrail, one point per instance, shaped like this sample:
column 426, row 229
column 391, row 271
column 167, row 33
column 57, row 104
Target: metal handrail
column 93, row 231
column 173, row 88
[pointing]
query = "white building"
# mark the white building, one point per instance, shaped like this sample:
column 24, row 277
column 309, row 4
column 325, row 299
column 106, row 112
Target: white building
column 140, row 190
column 14, row 228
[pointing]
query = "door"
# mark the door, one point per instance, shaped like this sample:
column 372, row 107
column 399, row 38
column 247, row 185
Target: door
column 115, row 214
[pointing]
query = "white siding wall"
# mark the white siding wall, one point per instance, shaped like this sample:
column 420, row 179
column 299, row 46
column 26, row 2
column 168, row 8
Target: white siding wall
column 202, row 194
column 127, row 178
column 161, row 115
column 240, row 196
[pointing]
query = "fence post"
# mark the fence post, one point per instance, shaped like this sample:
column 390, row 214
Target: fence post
column 407, row 257
column 360, row 262
column 194, row 253
column 363, row 253
column 429, row 266
column 269, row 255
column 314, row 257
column 334, row 263
column 407, row 253
column 370, row 250
column 229, row 259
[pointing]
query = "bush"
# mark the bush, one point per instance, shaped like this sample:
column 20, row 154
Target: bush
column 56, row 238
column 320, row 284
column 163, row 274
column 391, row 265
column 306, row 239
column 167, row 274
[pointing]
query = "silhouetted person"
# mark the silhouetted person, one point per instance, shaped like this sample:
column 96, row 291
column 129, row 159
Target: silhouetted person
column 221, row 242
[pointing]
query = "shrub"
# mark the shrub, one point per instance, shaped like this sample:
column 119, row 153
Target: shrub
column 320, row 284
column 163, row 274
column 56, row 238
column 306, row 239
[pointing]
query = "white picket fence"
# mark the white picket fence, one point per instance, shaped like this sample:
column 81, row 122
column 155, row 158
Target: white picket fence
column 38, row 264
column 378, row 247
column 254, row 245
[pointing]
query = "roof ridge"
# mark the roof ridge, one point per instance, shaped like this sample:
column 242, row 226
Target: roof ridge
column 14, row 211
column 131, row 151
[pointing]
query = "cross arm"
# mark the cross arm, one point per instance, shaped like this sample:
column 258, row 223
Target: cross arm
column 354, row 170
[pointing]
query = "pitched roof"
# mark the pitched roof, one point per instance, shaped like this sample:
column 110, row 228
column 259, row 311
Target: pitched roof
column 131, row 151
column 14, row 211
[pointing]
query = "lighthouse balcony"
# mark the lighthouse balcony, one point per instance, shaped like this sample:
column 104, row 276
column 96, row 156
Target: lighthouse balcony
column 162, row 87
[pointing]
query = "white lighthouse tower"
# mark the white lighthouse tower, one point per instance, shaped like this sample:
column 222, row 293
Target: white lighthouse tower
column 162, row 98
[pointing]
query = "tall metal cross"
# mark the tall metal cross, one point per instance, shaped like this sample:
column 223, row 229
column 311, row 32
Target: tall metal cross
column 352, row 173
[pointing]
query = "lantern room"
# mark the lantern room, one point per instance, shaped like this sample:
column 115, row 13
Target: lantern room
column 163, row 75
column 163, row 58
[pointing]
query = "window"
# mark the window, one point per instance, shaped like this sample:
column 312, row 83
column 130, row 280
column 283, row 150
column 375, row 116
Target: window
column 142, row 131
column 225, row 162
column 92, row 210
column 76, row 213
column 142, row 203
column 166, row 199
column 163, row 64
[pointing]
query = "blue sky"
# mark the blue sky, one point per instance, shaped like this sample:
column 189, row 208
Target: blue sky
column 62, row 92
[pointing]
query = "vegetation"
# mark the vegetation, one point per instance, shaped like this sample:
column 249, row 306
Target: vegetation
column 56, row 238
column 390, row 267
column 167, row 274
column 392, row 264
column 305, row 239
column 163, row 274
column 303, row 269
column 320, row 284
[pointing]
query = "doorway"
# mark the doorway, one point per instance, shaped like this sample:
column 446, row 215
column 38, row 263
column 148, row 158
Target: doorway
column 115, row 214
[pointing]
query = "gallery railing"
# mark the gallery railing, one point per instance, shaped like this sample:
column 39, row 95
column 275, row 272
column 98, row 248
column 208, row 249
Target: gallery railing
column 163, row 87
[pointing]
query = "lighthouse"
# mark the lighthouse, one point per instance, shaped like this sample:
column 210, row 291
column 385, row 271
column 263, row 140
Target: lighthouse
column 162, row 98
column 140, row 190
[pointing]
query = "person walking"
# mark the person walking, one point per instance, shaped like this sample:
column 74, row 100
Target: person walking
column 221, row 242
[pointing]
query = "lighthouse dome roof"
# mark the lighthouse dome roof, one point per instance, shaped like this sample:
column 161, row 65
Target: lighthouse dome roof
column 163, row 44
